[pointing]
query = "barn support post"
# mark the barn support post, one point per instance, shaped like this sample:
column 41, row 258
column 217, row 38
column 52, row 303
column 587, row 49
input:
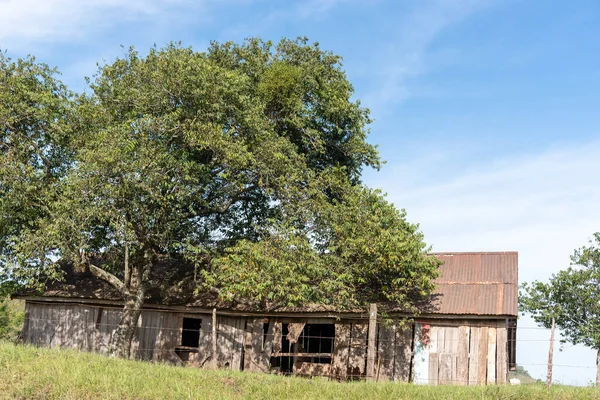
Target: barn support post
column 214, row 338
column 372, row 348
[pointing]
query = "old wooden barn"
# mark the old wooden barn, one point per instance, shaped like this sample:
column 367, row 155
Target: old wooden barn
column 466, row 337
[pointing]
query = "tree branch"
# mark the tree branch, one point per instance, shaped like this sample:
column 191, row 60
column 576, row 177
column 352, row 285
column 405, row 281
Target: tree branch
column 106, row 276
column 127, row 267
column 231, row 201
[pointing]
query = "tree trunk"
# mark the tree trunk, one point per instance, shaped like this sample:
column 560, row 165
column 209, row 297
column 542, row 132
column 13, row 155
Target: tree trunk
column 121, row 341
column 135, row 294
column 550, row 355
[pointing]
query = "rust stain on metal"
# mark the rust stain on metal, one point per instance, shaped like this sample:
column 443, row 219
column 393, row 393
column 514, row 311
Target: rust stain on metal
column 500, row 302
column 477, row 283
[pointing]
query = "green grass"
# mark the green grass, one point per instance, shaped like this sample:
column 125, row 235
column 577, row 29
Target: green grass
column 12, row 313
column 29, row 372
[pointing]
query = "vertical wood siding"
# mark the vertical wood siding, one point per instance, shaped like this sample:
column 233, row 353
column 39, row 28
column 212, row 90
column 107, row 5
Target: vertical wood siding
column 433, row 352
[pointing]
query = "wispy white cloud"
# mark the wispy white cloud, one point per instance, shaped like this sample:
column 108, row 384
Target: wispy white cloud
column 543, row 205
column 26, row 22
column 310, row 9
column 285, row 12
column 407, row 53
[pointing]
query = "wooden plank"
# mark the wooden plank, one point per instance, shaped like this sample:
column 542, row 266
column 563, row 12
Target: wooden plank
column 341, row 347
column 441, row 336
column 253, row 346
column 432, row 336
column 206, row 340
column 312, row 369
column 474, row 354
column 421, row 347
column 238, row 343
column 451, row 340
column 446, row 361
column 371, row 342
column 276, row 339
column 248, row 347
column 403, row 352
column 294, row 331
column 491, row 358
column 501, row 353
column 170, row 336
column 386, row 350
column 56, row 317
column 432, row 376
column 303, row 354
column 162, row 337
column 112, row 323
column 90, row 340
column 100, row 339
column 147, row 334
column 215, row 338
column 268, row 342
column 37, row 325
column 483, row 353
column 75, row 334
column 451, row 347
column 357, row 353
column 229, row 340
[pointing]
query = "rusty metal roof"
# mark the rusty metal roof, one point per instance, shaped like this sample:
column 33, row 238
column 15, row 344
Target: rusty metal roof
column 477, row 283
column 469, row 284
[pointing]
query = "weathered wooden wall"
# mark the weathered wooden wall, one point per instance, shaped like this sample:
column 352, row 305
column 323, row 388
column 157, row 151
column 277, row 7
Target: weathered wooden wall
column 66, row 325
column 465, row 352
column 469, row 352
column 157, row 336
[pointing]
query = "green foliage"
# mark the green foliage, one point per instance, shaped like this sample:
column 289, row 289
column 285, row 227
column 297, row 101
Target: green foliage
column 33, row 372
column 34, row 149
column 11, row 319
column 244, row 160
column 350, row 253
column 572, row 297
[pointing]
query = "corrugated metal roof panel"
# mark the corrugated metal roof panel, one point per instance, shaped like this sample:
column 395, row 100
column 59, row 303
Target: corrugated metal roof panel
column 477, row 283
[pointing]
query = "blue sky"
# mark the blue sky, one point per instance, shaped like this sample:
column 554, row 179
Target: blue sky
column 486, row 111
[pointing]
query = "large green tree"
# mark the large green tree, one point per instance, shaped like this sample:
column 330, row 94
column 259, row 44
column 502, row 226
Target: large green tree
column 244, row 161
column 571, row 298
column 34, row 151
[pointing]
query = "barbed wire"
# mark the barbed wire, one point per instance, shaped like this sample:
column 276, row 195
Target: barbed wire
column 93, row 330
column 210, row 322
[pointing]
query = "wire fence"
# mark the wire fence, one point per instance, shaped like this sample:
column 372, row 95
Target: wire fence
column 329, row 348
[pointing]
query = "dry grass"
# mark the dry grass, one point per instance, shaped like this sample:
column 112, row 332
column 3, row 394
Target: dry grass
column 34, row 373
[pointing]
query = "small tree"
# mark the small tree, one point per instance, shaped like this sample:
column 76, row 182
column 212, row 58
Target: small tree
column 571, row 298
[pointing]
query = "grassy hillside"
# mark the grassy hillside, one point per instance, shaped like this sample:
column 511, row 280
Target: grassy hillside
column 29, row 372
column 523, row 375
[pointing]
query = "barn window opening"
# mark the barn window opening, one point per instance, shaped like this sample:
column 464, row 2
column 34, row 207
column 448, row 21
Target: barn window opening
column 99, row 318
column 317, row 338
column 512, row 344
column 303, row 347
column 265, row 333
column 190, row 333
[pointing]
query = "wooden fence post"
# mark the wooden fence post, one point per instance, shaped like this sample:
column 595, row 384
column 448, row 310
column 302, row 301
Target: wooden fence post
column 371, row 349
column 550, row 355
column 214, row 338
